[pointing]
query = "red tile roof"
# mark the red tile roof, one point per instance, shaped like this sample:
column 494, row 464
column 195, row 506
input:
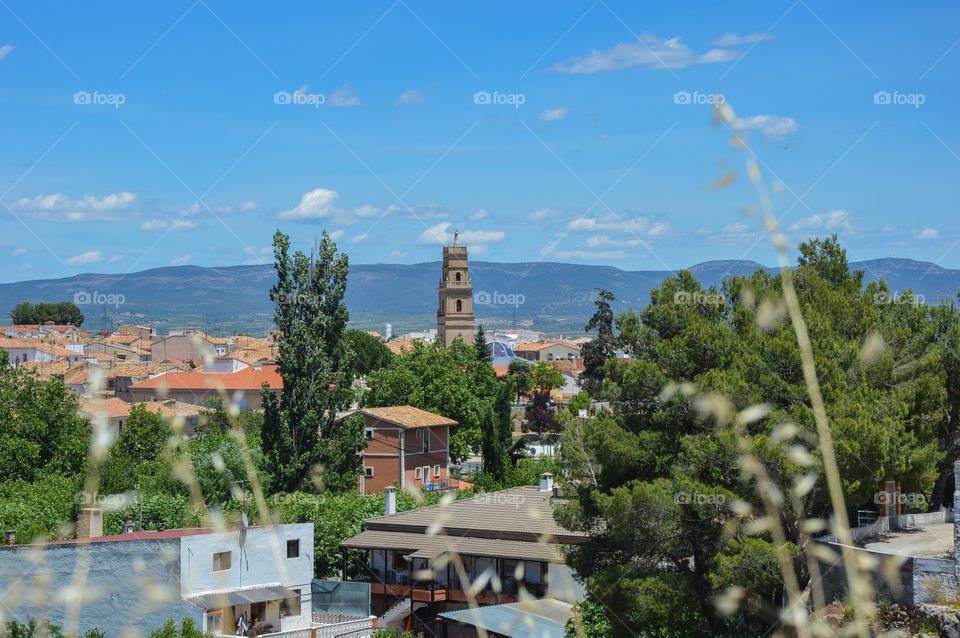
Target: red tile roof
column 251, row 378
column 408, row 416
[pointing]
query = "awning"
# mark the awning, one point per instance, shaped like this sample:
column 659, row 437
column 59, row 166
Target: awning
column 243, row 596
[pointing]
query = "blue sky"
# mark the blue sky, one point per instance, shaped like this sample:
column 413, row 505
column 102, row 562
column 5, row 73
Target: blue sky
column 138, row 135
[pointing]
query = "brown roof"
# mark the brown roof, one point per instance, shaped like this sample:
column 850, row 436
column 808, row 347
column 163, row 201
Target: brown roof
column 46, row 369
column 54, row 349
column 408, row 416
column 516, row 511
column 399, row 345
column 110, row 408
column 425, row 546
column 251, row 378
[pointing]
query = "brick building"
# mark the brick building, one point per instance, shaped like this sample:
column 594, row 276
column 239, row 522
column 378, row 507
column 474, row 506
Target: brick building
column 406, row 446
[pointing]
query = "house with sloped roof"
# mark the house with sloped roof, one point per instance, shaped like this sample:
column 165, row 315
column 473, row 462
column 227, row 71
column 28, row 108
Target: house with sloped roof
column 22, row 350
column 242, row 387
column 548, row 350
column 490, row 549
column 406, row 447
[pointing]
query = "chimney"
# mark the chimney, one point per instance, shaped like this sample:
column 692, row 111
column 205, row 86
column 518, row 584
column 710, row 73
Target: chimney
column 546, row 482
column 90, row 522
column 390, row 501
column 128, row 526
column 10, row 537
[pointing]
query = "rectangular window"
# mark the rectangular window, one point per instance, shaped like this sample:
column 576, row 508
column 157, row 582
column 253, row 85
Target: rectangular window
column 368, row 434
column 426, row 440
column 436, row 471
column 293, row 548
column 368, row 471
column 258, row 612
column 418, row 474
column 290, row 606
column 221, row 561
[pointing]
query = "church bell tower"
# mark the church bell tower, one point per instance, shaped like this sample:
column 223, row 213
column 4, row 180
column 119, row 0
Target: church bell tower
column 455, row 312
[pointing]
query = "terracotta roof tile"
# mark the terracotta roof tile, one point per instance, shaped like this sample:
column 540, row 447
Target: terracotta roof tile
column 251, row 378
column 408, row 416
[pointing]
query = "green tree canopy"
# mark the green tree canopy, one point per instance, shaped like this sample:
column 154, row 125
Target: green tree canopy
column 63, row 313
column 300, row 433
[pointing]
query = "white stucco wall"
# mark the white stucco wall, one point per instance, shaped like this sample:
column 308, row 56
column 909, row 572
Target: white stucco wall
column 261, row 561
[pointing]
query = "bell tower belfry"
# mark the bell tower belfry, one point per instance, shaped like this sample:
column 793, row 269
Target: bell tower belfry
column 455, row 312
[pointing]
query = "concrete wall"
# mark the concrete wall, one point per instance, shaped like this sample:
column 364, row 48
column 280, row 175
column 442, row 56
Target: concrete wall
column 904, row 580
column 130, row 587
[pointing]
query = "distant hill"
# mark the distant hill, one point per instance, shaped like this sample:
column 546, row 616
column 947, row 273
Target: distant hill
column 554, row 297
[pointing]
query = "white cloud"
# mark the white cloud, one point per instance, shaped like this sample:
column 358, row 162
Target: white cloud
column 163, row 224
column 833, row 220
column 411, row 97
column 19, row 251
column 397, row 254
column 732, row 39
column 367, row 210
column 116, row 258
column 182, row 260
column 336, row 235
column 250, row 205
column 439, row 234
column 649, row 52
column 634, row 226
column 929, row 233
column 771, row 126
column 436, row 234
column 59, row 201
column 481, row 236
column 482, row 213
column 599, row 241
column 89, row 257
column 5, row 50
column 362, row 237
column 733, row 233
column 553, row 115
column 317, row 204
column 344, row 97
column 543, row 214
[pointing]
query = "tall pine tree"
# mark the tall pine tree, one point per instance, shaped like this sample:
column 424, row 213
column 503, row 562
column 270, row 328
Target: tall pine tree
column 480, row 344
column 301, row 437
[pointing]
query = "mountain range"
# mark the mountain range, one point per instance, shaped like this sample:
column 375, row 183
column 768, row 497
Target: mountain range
column 548, row 296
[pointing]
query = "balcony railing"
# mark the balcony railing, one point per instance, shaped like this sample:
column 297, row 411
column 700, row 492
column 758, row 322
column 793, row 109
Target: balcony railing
column 357, row 628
